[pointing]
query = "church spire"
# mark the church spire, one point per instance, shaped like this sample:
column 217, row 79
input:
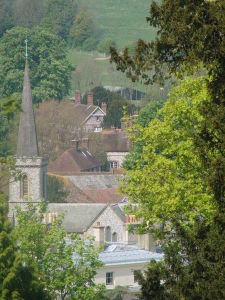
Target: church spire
column 27, row 138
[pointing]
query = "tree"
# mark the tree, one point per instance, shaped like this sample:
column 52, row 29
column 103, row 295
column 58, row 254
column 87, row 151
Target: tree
column 57, row 192
column 6, row 16
column 146, row 114
column 115, row 113
column 57, row 125
column 17, row 280
column 60, row 15
column 183, row 43
column 167, row 182
column 102, row 95
column 166, row 179
column 27, row 13
column 150, row 282
column 82, row 28
column 67, row 265
column 50, row 72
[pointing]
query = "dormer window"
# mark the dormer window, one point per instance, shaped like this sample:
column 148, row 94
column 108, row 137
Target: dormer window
column 24, row 186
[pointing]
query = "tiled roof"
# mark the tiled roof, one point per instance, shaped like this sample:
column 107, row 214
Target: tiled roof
column 109, row 195
column 115, row 141
column 78, row 217
column 73, row 161
column 95, row 181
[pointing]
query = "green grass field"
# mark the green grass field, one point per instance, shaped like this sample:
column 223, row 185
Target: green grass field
column 121, row 20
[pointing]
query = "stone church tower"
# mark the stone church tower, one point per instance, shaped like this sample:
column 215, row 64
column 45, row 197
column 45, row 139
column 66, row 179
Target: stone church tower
column 32, row 184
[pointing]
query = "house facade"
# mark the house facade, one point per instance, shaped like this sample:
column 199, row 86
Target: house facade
column 91, row 116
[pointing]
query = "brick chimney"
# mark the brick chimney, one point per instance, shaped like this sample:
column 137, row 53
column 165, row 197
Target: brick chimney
column 77, row 97
column 104, row 107
column 90, row 98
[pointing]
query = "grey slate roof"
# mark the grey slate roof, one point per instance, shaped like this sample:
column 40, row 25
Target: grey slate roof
column 78, row 217
column 121, row 254
column 27, row 137
column 101, row 181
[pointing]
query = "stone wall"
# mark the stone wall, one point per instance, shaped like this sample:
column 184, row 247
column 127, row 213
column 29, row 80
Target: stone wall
column 109, row 218
column 35, row 169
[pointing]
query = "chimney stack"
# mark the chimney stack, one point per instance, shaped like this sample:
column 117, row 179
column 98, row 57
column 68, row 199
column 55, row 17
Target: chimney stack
column 90, row 98
column 104, row 107
column 77, row 97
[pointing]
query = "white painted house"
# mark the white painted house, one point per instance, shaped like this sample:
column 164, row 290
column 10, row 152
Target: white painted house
column 120, row 262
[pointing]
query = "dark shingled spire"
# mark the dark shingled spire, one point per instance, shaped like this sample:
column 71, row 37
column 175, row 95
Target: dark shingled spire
column 27, row 137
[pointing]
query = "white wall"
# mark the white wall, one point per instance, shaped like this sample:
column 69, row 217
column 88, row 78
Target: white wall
column 122, row 274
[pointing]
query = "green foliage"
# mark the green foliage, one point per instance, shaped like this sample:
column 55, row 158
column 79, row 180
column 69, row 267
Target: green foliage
column 150, row 282
column 167, row 178
column 7, row 246
column 82, row 28
column 57, row 192
column 60, row 16
column 101, row 95
column 50, row 71
column 67, row 265
column 6, row 16
column 17, row 280
column 147, row 114
column 8, row 107
column 115, row 113
column 117, row 293
column 23, row 282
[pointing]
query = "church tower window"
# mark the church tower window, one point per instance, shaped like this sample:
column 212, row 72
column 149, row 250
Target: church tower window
column 24, row 186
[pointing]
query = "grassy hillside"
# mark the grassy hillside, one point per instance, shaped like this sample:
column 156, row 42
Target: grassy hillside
column 121, row 20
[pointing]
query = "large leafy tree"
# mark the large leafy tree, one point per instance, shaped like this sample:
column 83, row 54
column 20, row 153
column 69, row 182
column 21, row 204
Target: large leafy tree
column 50, row 71
column 166, row 179
column 82, row 28
column 60, row 15
column 67, row 265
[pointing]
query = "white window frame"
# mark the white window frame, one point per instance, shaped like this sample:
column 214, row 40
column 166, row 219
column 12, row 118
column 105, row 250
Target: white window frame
column 114, row 164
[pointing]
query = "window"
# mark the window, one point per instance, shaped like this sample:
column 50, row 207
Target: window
column 109, row 278
column 113, row 164
column 24, row 186
column 108, row 234
column 114, row 237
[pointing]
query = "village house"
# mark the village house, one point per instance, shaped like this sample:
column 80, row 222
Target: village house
column 91, row 116
column 116, row 145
